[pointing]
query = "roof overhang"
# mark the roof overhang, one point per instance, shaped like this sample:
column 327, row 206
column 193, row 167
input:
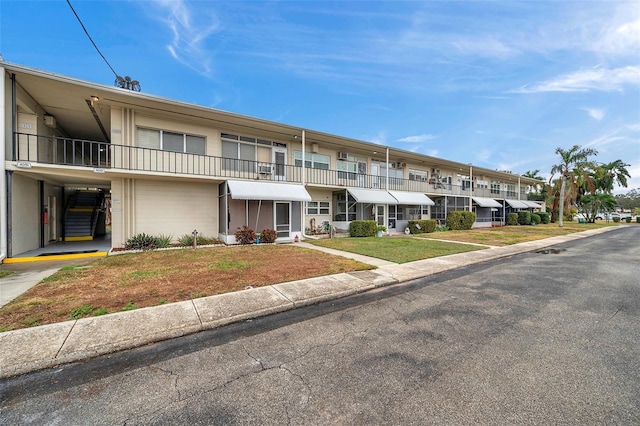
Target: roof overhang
column 517, row 204
column 412, row 198
column 531, row 204
column 372, row 196
column 486, row 202
column 250, row 190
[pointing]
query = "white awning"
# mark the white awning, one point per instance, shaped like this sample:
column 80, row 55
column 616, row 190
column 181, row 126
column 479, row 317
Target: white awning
column 517, row 204
column 486, row 202
column 531, row 204
column 372, row 196
column 412, row 198
column 259, row 190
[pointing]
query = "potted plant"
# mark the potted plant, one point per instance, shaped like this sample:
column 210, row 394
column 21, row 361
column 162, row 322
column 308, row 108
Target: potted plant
column 381, row 229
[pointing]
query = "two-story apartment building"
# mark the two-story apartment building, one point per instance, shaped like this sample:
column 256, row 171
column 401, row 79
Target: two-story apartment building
column 78, row 155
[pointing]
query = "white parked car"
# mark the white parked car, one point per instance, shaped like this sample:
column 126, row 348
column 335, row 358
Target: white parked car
column 610, row 216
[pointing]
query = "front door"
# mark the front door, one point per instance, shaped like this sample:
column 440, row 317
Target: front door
column 375, row 171
column 280, row 163
column 380, row 215
column 283, row 219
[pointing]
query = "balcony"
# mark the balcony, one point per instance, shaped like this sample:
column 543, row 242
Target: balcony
column 101, row 155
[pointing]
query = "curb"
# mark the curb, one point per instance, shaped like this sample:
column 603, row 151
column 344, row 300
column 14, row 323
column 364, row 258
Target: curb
column 26, row 350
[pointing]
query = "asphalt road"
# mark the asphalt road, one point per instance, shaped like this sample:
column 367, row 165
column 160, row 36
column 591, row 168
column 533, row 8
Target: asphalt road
column 539, row 338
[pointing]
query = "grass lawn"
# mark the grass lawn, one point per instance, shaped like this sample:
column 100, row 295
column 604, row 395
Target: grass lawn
column 137, row 280
column 507, row 235
column 395, row 249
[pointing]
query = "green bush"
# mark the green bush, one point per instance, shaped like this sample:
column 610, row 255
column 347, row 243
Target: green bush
column 163, row 241
column 512, row 219
column 544, row 217
column 628, row 219
column 637, row 219
column 363, row 228
column 268, row 236
column 460, row 220
column 535, row 219
column 245, row 235
column 616, row 219
column 141, row 242
column 524, row 218
column 422, row 226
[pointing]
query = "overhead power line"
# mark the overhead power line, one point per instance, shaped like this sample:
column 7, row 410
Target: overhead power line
column 123, row 82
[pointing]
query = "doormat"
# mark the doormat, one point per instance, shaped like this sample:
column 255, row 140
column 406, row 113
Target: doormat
column 58, row 253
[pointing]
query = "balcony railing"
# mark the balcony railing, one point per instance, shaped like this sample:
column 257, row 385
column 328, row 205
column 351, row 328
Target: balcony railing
column 101, row 155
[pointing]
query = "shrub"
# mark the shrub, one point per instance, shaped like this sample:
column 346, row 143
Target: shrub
column 637, row 219
column 524, row 218
column 544, row 217
column 363, row 228
column 163, row 241
column 245, row 235
column 141, row 242
column 187, row 240
column 268, row 236
column 535, row 219
column 512, row 219
column 460, row 220
column 616, row 219
column 422, row 226
column 628, row 219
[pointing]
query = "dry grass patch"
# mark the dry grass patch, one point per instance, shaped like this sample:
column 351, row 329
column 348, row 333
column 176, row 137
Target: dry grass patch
column 508, row 235
column 130, row 281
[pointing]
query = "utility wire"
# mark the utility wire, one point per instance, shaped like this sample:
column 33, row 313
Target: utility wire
column 92, row 42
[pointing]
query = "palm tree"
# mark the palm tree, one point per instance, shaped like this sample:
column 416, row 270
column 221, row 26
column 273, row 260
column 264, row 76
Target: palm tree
column 537, row 189
column 572, row 167
column 611, row 173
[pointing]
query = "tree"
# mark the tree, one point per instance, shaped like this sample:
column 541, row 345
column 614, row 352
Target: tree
column 538, row 190
column 607, row 175
column 574, row 163
column 592, row 204
column 629, row 200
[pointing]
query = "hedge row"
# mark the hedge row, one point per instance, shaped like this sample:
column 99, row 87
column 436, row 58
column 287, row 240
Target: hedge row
column 460, row 220
column 422, row 226
column 363, row 228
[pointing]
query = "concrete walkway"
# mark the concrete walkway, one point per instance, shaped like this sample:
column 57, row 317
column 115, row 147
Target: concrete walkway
column 31, row 349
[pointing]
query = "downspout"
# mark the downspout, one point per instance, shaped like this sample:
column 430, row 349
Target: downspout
column 304, row 182
column 4, row 175
column 518, row 187
column 470, row 187
column 41, row 209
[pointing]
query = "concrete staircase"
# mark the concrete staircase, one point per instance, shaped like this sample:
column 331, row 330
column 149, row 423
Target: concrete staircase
column 82, row 215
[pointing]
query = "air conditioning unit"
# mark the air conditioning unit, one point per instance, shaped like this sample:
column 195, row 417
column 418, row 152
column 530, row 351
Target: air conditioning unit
column 265, row 170
column 50, row 121
column 343, row 155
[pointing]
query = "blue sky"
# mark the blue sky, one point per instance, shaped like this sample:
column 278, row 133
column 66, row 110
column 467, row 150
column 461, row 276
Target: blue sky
column 500, row 84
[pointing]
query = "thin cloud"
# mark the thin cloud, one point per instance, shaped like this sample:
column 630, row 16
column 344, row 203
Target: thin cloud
column 189, row 34
column 594, row 79
column 417, row 138
column 596, row 114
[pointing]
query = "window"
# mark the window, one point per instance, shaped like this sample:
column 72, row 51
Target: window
column 418, row 175
column 395, row 175
column 312, row 161
column 495, row 188
column 238, row 156
column 511, row 190
column 347, row 169
column 318, row 207
column 482, row 184
column 417, row 212
column 170, row 141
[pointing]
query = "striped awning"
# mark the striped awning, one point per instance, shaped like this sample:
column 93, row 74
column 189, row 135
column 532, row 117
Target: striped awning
column 412, row 198
column 252, row 190
column 486, row 202
column 517, row 204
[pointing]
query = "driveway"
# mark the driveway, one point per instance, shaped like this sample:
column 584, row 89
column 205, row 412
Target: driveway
column 538, row 338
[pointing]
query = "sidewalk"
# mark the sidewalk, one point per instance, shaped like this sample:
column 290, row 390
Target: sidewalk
column 26, row 350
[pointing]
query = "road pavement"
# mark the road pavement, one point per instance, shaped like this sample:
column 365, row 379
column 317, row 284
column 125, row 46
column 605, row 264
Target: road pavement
column 546, row 337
